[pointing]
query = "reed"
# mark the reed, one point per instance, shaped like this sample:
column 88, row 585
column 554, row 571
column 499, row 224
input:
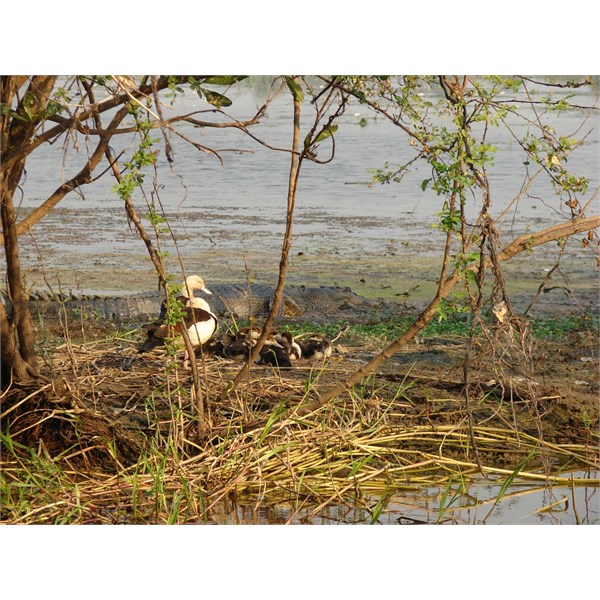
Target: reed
column 121, row 443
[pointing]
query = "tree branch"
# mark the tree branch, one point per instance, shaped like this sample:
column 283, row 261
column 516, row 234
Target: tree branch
column 83, row 177
column 521, row 244
column 295, row 165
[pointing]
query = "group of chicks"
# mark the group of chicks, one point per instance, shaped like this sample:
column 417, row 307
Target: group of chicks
column 197, row 319
column 279, row 350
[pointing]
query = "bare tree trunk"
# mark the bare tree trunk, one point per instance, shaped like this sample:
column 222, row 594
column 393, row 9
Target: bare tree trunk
column 18, row 338
column 18, row 356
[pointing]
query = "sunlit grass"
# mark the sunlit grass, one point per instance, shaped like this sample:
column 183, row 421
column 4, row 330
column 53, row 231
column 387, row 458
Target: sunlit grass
column 375, row 442
column 457, row 325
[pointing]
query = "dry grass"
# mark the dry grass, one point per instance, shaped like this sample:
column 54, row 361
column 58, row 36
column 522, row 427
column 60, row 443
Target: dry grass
column 115, row 438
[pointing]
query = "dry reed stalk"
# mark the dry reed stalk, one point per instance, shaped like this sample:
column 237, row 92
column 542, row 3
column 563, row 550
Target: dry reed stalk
column 25, row 399
column 376, row 439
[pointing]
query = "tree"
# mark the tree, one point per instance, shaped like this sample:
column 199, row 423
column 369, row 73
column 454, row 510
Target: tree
column 459, row 154
column 18, row 353
column 41, row 110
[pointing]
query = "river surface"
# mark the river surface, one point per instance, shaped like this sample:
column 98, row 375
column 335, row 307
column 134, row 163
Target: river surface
column 228, row 218
column 228, row 221
column 479, row 501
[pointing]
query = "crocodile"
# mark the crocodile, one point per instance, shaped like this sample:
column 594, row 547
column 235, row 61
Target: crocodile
column 50, row 306
column 242, row 301
column 227, row 300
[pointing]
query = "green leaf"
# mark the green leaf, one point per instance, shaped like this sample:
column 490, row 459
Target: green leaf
column 512, row 476
column 53, row 108
column 359, row 465
column 471, row 276
column 327, row 132
column 425, row 183
column 295, row 88
column 279, row 410
column 216, row 99
column 224, row 79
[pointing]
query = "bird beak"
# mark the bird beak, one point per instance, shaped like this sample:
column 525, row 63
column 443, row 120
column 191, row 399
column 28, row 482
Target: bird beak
column 206, row 291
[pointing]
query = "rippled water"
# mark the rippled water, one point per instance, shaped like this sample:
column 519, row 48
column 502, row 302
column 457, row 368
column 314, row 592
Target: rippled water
column 475, row 502
column 228, row 218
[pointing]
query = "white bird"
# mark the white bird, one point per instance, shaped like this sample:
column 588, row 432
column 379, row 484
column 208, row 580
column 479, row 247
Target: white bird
column 188, row 287
column 197, row 319
column 200, row 321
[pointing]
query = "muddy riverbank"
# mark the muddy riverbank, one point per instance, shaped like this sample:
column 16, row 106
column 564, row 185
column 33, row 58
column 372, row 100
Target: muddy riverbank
column 81, row 258
column 227, row 219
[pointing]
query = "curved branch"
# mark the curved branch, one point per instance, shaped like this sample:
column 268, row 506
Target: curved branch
column 83, row 177
column 522, row 243
column 22, row 149
column 96, row 108
column 550, row 234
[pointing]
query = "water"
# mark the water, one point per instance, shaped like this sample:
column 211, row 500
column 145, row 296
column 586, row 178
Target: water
column 524, row 502
column 228, row 218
